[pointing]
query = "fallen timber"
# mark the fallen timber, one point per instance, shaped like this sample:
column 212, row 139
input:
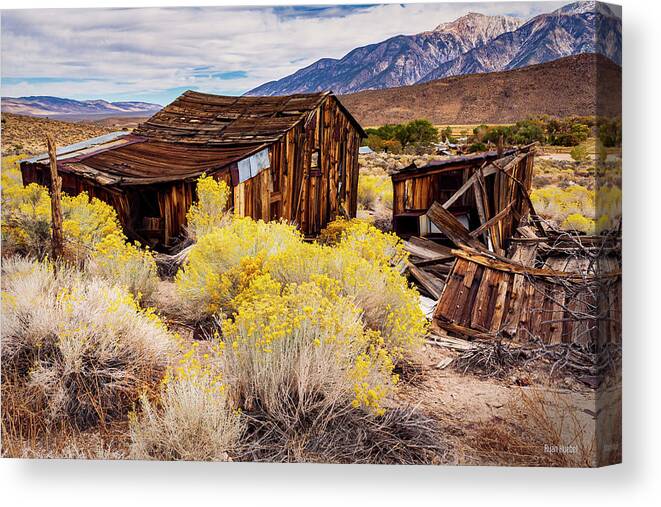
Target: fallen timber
column 502, row 280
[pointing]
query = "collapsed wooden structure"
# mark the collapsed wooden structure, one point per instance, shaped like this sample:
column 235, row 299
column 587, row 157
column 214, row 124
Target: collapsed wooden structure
column 292, row 157
column 486, row 192
column 504, row 280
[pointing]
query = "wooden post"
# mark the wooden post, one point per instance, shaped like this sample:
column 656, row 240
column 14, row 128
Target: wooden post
column 55, row 200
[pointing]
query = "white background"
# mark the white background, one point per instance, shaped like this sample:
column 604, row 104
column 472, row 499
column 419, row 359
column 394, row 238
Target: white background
column 636, row 482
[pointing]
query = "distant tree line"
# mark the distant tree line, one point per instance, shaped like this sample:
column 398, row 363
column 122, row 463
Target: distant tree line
column 412, row 137
column 570, row 131
column 419, row 136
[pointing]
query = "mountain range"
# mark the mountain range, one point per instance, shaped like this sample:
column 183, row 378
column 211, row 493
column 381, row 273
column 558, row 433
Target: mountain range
column 60, row 107
column 474, row 43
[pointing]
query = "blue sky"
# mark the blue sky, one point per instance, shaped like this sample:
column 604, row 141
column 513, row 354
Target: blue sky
column 153, row 54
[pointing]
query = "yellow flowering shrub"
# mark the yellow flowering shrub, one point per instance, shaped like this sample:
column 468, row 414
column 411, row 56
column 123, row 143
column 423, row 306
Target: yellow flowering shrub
column 608, row 203
column 210, row 210
column 221, row 262
column 297, row 350
column 577, row 222
column 557, row 204
column 367, row 369
column 365, row 262
column 127, row 264
column 373, row 245
column 93, row 235
column 373, row 189
column 580, row 209
column 25, row 213
column 332, row 233
column 388, row 303
column 85, row 347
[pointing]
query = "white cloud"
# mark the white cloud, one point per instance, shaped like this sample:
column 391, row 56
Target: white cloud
column 142, row 52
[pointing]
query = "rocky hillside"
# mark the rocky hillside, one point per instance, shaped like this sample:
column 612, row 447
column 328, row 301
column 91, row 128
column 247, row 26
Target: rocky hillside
column 400, row 60
column 563, row 87
column 474, row 43
column 25, row 135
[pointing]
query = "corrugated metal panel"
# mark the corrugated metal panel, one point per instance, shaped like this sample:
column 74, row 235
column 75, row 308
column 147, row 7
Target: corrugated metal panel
column 71, row 150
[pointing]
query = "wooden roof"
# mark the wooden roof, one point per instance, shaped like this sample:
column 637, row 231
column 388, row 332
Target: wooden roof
column 154, row 162
column 216, row 120
column 196, row 133
column 451, row 164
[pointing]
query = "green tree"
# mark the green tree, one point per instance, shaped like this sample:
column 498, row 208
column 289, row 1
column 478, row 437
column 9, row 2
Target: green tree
column 528, row 131
column 481, row 132
column 567, row 132
column 419, row 132
column 374, row 142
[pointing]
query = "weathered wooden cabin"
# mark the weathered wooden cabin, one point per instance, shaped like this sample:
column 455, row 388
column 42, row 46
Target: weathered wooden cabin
column 482, row 191
column 291, row 157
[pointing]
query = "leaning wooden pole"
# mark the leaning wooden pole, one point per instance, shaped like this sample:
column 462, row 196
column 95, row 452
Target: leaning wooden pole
column 55, row 200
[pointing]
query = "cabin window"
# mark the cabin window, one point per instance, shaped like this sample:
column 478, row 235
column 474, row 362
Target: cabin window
column 341, row 172
column 253, row 165
column 315, row 169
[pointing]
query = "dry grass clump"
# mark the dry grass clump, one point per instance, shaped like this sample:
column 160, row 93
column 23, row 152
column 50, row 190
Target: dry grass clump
column 68, row 443
column 539, row 429
column 75, row 351
column 191, row 419
column 400, row 436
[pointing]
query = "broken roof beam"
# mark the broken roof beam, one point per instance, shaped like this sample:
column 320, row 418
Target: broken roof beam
column 492, row 221
column 431, row 284
column 426, row 249
column 451, row 227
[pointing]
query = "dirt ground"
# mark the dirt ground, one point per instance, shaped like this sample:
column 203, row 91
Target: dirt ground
column 527, row 403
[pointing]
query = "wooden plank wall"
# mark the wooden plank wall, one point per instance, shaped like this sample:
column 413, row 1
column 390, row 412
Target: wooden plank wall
column 313, row 176
column 480, row 301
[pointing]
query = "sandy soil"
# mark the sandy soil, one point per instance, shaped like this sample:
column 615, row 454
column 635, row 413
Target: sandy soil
column 467, row 405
